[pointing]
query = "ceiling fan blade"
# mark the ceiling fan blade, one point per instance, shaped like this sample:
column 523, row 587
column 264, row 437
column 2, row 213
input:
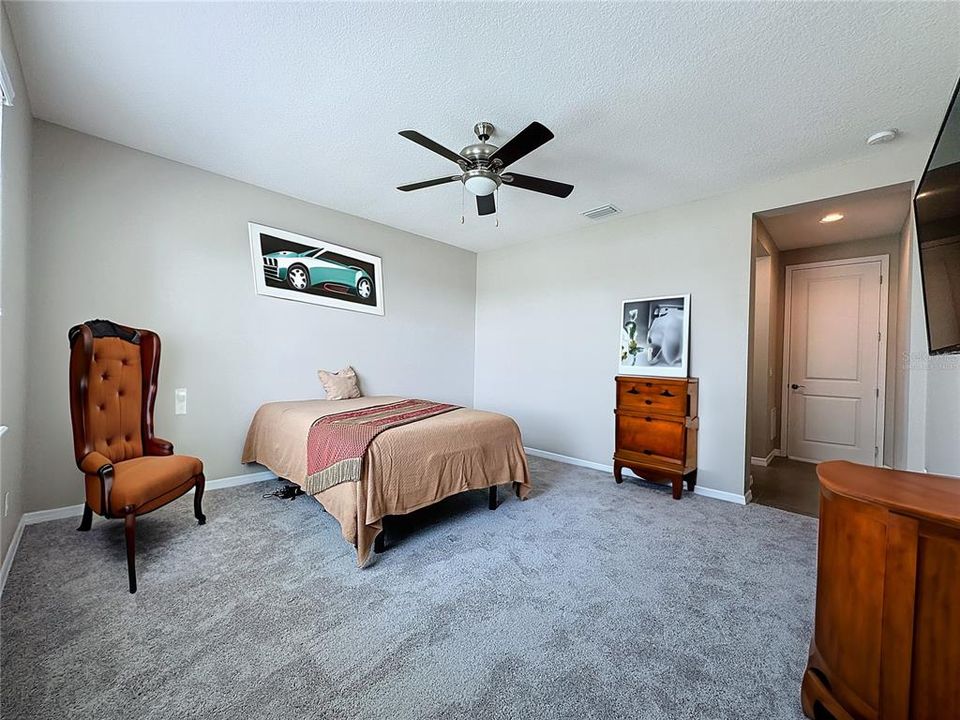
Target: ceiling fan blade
column 548, row 187
column 524, row 142
column 486, row 205
column 431, row 145
column 428, row 183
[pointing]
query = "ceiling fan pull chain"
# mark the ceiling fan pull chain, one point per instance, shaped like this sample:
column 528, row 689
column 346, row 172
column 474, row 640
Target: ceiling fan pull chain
column 497, row 217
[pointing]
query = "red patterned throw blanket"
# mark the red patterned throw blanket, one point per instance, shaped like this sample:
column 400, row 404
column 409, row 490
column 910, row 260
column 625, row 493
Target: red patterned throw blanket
column 337, row 443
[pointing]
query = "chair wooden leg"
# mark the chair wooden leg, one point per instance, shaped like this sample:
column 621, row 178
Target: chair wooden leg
column 87, row 520
column 197, row 500
column 492, row 504
column 130, row 531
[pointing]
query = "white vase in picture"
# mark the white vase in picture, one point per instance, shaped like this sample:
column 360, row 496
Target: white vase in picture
column 654, row 336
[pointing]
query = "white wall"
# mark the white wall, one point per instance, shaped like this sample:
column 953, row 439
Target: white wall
column 943, row 415
column 911, row 344
column 16, row 131
column 764, row 397
column 128, row 236
column 547, row 312
column 760, row 370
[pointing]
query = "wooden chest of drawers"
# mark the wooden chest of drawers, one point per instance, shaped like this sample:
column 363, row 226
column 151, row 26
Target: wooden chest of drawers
column 656, row 430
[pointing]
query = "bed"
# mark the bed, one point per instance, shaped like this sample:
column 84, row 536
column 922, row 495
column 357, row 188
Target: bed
column 404, row 468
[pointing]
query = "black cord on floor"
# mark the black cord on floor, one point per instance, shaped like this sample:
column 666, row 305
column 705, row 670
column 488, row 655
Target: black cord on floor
column 287, row 492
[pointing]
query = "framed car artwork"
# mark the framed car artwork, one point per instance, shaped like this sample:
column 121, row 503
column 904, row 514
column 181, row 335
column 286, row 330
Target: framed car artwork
column 296, row 267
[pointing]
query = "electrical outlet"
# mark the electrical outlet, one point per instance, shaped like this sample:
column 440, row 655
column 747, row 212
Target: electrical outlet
column 180, row 401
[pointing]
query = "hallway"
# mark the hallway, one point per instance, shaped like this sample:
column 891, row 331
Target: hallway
column 788, row 485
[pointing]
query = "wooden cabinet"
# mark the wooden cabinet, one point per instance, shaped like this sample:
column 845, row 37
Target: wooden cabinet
column 656, row 430
column 886, row 639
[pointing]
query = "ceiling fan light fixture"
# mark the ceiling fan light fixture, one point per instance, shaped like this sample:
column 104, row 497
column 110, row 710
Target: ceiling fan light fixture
column 479, row 184
column 481, row 165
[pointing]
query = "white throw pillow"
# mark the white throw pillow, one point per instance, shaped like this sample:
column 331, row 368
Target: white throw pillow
column 340, row 385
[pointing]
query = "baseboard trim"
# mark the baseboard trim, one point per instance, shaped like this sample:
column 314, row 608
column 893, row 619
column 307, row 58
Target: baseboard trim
column 568, row 459
column 235, row 480
column 11, row 552
column 763, row 462
column 697, row 490
column 723, row 495
column 39, row 516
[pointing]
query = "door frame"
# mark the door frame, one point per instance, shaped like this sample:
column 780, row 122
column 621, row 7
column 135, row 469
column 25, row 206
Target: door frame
column 884, row 261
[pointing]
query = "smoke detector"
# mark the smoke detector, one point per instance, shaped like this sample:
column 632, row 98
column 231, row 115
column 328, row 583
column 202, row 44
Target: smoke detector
column 884, row 136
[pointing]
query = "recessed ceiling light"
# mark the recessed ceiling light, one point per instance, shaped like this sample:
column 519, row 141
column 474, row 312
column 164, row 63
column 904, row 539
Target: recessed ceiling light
column 884, row 136
column 832, row 217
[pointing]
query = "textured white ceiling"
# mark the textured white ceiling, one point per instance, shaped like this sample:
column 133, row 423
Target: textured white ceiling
column 652, row 104
column 870, row 214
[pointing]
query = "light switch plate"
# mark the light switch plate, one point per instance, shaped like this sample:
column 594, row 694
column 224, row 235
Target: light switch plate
column 180, row 401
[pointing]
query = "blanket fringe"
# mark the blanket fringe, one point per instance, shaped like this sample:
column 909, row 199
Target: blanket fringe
column 344, row 471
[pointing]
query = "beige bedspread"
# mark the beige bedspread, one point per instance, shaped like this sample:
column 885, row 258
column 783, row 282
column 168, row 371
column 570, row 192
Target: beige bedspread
column 405, row 468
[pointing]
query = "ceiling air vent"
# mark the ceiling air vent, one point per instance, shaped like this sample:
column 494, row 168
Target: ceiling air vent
column 601, row 212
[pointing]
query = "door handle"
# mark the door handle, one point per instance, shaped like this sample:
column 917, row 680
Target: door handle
column 794, row 386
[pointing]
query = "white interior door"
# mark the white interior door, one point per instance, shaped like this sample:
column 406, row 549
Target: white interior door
column 834, row 361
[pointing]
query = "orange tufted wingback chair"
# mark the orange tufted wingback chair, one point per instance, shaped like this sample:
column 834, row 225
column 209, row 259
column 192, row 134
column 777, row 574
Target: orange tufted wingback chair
column 127, row 470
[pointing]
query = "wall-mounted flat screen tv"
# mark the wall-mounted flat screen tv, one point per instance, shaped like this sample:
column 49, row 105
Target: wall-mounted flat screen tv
column 937, row 210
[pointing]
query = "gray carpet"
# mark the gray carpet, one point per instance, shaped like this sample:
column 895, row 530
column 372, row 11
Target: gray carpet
column 590, row 600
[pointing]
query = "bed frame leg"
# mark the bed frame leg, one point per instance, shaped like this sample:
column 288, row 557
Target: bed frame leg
column 493, row 497
column 378, row 542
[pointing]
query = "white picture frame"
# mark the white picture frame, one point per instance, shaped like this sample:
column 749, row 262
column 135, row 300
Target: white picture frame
column 658, row 341
column 290, row 266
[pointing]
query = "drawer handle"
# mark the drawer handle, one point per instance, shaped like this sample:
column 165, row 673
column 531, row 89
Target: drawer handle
column 649, row 402
column 633, row 391
column 649, row 384
column 667, row 393
column 648, row 419
column 648, row 452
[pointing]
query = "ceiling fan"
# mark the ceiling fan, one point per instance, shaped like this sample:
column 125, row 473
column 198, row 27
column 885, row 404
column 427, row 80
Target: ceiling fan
column 482, row 164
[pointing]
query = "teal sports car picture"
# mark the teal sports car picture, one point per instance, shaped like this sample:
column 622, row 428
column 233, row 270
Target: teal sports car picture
column 309, row 269
column 295, row 267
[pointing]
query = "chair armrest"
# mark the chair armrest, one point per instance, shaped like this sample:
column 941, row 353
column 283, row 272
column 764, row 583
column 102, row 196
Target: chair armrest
column 94, row 463
column 158, row 446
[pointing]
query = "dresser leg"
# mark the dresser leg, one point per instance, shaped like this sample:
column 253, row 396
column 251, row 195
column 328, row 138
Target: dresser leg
column 617, row 471
column 678, row 487
column 691, row 480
